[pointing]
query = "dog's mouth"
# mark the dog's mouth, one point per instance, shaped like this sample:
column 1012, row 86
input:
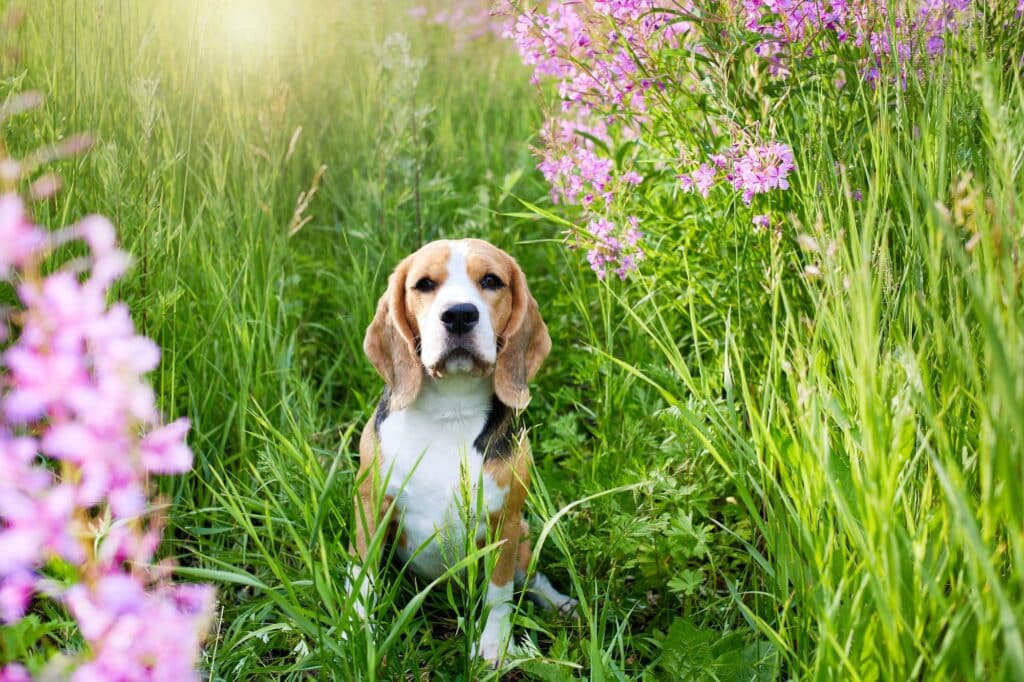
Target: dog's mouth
column 461, row 359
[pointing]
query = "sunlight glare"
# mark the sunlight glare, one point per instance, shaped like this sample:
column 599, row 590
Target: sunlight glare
column 247, row 24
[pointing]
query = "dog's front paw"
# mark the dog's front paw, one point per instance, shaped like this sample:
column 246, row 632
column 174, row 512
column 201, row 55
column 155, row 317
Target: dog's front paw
column 497, row 652
column 544, row 594
column 361, row 601
column 568, row 607
column 494, row 640
column 491, row 650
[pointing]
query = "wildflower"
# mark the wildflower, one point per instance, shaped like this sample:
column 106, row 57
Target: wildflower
column 73, row 391
column 763, row 168
column 704, row 179
column 14, row 672
column 37, row 525
column 18, row 238
column 890, row 33
column 138, row 634
column 468, row 20
column 15, row 595
column 611, row 251
column 753, row 170
column 607, row 58
column 164, row 450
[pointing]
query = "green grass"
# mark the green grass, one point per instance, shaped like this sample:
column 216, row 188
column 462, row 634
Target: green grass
column 824, row 481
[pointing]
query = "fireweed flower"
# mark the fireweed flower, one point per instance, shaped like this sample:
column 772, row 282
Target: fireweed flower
column 19, row 239
column 14, row 672
column 79, row 436
column 468, row 20
column 607, row 59
column 752, row 170
column 907, row 35
column 613, row 250
column 602, row 56
column 598, row 53
column 762, row 168
column 576, row 170
column 703, row 179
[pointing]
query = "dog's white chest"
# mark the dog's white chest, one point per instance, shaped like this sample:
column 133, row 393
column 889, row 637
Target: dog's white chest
column 436, row 476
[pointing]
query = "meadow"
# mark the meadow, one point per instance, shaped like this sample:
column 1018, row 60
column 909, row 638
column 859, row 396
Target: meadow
column 784, row 444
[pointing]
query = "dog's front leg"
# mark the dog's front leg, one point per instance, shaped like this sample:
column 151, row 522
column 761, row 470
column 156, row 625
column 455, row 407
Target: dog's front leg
column 359, row 575
column 498, row 626
column 367, row 512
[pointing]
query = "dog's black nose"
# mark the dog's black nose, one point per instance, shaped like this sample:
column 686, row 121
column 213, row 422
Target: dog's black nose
column 460, row 318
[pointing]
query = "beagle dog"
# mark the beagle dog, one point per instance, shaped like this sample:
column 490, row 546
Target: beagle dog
column 456, row 337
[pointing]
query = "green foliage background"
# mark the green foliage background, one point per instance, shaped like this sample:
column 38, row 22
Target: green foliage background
column 785, row 471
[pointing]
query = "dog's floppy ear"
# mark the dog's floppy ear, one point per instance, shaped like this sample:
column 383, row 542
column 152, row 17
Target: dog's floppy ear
column 526, row 344
column 391, row 344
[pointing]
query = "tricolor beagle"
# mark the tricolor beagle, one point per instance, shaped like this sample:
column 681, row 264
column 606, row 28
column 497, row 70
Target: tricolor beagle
column 456, row 337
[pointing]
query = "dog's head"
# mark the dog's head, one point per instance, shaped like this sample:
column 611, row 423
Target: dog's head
column 457, row 307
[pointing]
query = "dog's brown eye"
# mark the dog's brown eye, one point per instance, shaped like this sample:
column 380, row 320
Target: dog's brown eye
column 491, row 281
column 425, row 284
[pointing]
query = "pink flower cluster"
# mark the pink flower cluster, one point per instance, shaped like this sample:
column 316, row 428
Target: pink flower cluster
column 612, row 250
column 598, row 54
column 620, row 67
column 908, row 34
column 598, row 51
column 469, row 20
column 579, row 174
column 756, row 169
column 80, row 435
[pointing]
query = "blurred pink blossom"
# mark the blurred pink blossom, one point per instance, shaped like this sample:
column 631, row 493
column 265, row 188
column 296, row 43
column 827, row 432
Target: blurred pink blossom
column 80, row 435
column 15, row 672
column 19, row 239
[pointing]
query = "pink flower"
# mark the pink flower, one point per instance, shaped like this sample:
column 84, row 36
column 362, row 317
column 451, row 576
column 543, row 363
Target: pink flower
column 609, row 58
column 137, row 634
column 37, row 526
column 467, row 20
column 124, row 544
column 60, row 312
column 15, row 594
column 609, row 252
column 754, row 170
column 17, row 470
column 19, row 239
column 74, row 378
column 763, row 168
column 99, row 234
column 40, row 382
column 907, row 35
column 704, row 179
column 14, row 672
column 164, row 450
